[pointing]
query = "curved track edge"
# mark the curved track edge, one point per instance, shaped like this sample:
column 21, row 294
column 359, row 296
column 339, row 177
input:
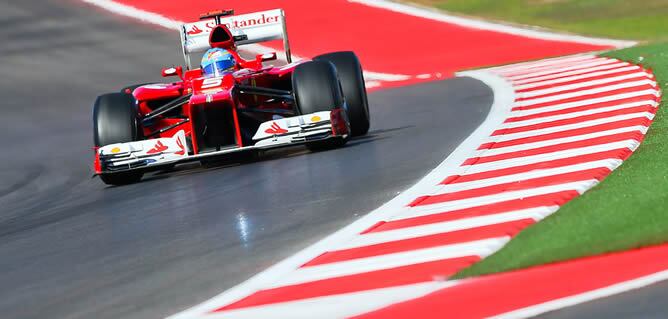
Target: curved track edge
column 503, row 96
column 555, row 130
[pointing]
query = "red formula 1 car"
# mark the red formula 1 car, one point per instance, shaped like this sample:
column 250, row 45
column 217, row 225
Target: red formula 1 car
column 319, row 103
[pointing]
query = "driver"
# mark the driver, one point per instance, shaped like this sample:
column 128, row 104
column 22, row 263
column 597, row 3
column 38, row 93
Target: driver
column 217, row 61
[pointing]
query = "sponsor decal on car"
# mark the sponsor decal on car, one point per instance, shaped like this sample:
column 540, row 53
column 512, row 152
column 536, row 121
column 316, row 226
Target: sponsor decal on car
column 232, row 23
column 275, row 129
column 180, row 144
column 157, row 148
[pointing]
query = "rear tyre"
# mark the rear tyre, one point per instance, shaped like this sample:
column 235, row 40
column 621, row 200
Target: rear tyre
column 316, row 88
column 350, row 75
column 115, row 121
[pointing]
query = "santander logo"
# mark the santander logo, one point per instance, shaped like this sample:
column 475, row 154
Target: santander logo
column 239, row 22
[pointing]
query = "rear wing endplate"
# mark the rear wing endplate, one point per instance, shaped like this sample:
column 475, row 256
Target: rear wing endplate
column 248, row 28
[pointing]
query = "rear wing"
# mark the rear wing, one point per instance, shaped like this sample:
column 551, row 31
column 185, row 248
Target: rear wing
column 246, row 29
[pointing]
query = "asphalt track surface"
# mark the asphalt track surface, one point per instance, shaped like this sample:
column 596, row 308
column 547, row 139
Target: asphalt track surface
column 646, row 303
column 71, row 247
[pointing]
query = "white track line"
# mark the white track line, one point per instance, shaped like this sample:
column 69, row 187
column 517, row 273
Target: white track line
column 584, row 297
column 482, row 25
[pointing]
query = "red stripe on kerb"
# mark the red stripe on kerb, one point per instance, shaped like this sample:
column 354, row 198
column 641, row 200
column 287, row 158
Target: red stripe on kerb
column 423, row 272
column 583, row 87
column 621, row 153
column 567, row 74
column 584, row 97
column 595, row 173
column 442, row 239
column 560, row 70
column 516, row 290
column 579, row 119
column 587, row 79
column 635, row 135
column 587, row 107
column 529, row 69
column 639, row 121
column 552, row 199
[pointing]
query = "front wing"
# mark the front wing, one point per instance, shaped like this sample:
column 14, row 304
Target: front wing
column 159, row 153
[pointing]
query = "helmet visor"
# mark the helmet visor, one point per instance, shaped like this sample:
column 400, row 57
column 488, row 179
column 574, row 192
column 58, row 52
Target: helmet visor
column 219, row 67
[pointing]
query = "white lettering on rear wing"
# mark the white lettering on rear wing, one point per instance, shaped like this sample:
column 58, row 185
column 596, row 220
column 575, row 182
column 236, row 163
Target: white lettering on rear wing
column 257, row 27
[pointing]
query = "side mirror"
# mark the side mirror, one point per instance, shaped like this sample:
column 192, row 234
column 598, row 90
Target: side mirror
column 266, row 57
column 172, row 71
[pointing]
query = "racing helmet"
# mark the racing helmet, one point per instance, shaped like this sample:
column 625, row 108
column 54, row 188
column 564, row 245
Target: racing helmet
column 217, row 61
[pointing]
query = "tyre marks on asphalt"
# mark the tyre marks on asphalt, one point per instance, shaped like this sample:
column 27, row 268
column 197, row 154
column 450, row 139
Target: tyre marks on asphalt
column 565, row 132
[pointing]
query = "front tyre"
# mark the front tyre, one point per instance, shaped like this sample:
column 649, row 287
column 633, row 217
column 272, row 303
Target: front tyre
column 350, row 75
column 115, row 121
column 316, row 88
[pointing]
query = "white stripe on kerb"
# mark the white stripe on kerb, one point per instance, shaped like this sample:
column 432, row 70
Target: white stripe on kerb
column 571, row 115
column 623, row 67
column 389, row 261
column 571, row 73
column 514, row 74
column 568, row 127
column 583, row 84
column 334, row 306
column 551, row 142
column 528, row 160
column 579, row 186
column 455, row 187
column 592, row 101
column 508, row 70
column 587, row 64
column 564, row 96
column 428, row 229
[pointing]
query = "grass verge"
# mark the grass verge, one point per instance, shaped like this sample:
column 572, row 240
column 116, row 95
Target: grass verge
column 622, row 19
column 629, row 209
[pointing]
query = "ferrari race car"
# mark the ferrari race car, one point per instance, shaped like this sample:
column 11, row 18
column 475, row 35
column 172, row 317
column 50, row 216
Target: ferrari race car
column 320, row 103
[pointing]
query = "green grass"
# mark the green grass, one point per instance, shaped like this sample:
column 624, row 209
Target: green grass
column 629, row 209
column 622, row 19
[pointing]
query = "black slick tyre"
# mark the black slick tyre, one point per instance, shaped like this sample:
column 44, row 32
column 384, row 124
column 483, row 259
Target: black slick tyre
column 115, row 121
column 316, row 88
column 350, row 75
